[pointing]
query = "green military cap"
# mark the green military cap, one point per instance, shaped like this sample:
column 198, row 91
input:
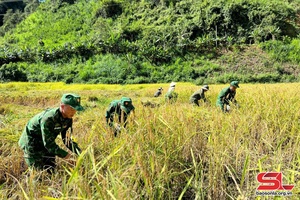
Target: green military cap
column 72, row 100
column 235, row 84
column 126, row 104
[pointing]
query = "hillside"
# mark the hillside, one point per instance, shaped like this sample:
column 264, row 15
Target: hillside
column 153, row 41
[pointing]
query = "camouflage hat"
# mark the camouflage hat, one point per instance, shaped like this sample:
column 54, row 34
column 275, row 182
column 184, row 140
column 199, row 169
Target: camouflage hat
column 72, row 100
column 235, row 84
column 126, row 104
column 205, row 87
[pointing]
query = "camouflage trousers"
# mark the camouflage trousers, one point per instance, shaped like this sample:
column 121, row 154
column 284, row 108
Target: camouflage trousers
column 41, row 162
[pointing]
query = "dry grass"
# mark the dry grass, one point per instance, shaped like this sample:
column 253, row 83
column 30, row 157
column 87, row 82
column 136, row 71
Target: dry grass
column 167, row 152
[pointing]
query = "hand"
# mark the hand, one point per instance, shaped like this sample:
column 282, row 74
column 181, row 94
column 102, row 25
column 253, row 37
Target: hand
column 70, row 159
column 118, row 127
column 67, row 156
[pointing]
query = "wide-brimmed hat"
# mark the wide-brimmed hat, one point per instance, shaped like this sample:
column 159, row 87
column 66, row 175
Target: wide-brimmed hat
column 172, row 84
column 205, row 87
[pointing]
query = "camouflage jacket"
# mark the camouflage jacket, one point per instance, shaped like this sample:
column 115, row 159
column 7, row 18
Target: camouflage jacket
column 115, row 108
column 38, row 137
column 171, row 94
column 198, row 95
column 225, row 96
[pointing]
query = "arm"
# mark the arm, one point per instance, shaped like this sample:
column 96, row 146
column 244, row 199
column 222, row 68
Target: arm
column 231, row 97
column 70, row 144
column 124, row 116
column 221, row 96
column 225, row 95
column 227, row 99
column 48, row 137
column 202, row 96
column 109, row 116
column 234, row 100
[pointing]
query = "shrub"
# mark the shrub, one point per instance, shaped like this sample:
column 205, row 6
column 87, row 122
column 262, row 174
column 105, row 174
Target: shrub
column 12, row 72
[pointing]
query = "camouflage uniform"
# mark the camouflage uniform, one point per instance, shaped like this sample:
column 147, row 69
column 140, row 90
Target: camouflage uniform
column 197, row 96
column 226, row 96
column 38, row 139
column 122, row 108
column 171, row 96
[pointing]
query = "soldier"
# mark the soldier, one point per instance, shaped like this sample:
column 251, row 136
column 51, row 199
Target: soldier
column 171, row 96
column 158, row 92
column 38, row 138
column 227, row 95
column 194, row 99
column 122, row 108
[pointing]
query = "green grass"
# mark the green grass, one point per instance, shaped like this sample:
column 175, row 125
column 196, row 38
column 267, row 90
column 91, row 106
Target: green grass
column 172, row 151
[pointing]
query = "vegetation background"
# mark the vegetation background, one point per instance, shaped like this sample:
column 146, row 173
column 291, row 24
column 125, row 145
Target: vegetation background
column 172, row 151
column 150, row 41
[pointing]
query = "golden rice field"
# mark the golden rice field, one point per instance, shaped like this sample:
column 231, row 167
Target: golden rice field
column 172, row 151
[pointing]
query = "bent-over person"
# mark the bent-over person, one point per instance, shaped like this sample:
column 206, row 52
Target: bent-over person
column 198, row 95
column 122, row 109
column 38, row 138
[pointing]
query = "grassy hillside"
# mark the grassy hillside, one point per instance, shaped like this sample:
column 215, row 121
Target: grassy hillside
column 115, row 41
column 169, row 152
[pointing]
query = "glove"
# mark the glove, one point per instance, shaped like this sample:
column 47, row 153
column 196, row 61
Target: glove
column 227, row 108
column 118, row 127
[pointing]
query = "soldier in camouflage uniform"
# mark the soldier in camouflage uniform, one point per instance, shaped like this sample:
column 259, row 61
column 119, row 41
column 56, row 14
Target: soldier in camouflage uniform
column 122, row 108
column 194, row 99
column 38, row 138
column 227, row 95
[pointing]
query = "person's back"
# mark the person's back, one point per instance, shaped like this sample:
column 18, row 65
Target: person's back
column 171, row 96
column 158, row 92
column 114, row 107
column 200, row 94
column 32, row 141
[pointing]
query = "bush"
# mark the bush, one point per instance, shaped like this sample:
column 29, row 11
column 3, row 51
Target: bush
column 284, row 51
column 109, row 9
column 268, row 78
column 12, row 72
